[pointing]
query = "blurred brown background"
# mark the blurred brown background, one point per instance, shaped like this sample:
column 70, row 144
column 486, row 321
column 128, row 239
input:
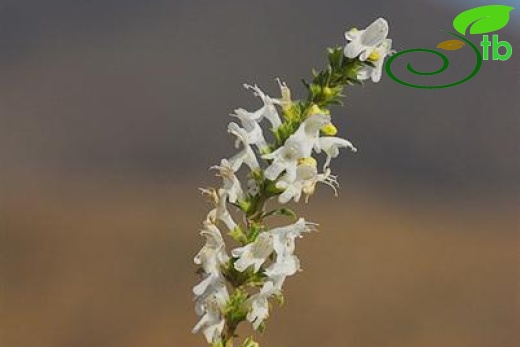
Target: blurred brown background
column 111, row 112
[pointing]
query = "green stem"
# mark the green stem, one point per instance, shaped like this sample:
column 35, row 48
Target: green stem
column 255, row 214
column 256, row 211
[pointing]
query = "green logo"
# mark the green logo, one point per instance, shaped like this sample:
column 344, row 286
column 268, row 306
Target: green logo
column 479, row 20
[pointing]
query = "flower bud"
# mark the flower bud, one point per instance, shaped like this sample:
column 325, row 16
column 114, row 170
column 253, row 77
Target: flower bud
column 327, row 92
column 315, row 109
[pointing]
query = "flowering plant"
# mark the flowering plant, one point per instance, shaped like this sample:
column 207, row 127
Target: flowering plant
column 238, row 286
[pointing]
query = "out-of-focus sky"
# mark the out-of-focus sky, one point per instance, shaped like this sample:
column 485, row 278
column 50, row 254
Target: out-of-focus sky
column 111, row 111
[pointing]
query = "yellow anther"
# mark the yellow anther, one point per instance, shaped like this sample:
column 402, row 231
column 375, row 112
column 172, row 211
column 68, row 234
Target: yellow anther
column 329, row 129
column 315, row 109
column 309, row 161
column 374, row 56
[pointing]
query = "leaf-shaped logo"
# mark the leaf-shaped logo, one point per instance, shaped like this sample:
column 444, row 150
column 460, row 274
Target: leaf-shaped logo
column 483, row 19
column 451, row 45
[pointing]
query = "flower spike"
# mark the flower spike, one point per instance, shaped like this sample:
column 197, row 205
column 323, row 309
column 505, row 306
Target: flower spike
column 276, row 167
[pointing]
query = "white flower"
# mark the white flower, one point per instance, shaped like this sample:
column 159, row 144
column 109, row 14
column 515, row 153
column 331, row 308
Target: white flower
column 260, row 305
column 211, row 258
column 267, row 111
column 307, row 177
column 253, row 129
column 246, row 155
column 282, row 241
column 213, row 254
column 253, row 254
column 231, row 184
column 286, row 263
column 212, row 322
column 284, row 266
column 331, row 145
column 214, row 287
column 211, row 293
column 220, row 212
column 364, row 42
column 299, row 145
column 284, row 237
column 377, row 57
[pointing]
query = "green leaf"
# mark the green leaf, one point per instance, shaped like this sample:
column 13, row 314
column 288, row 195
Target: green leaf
column 483, row 19
column 284, row 211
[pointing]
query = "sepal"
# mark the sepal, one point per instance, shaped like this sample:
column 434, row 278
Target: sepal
column 238, row 235
column 236, row 308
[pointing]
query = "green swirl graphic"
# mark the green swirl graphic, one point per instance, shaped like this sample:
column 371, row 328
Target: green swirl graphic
column 445, row 64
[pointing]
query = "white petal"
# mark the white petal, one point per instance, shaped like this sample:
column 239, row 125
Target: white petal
column 259, row 305
column 331, row 144
column 212, row 323
column 275, row 169
column 366, row 53
column 250, row 159
column 375, row 33
column 271, row 113
column 353, row 34
column 291, row 192
column 353, row 49
column 364, row 73
column 253, row 254
column 200, row 288
column 376, row 74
